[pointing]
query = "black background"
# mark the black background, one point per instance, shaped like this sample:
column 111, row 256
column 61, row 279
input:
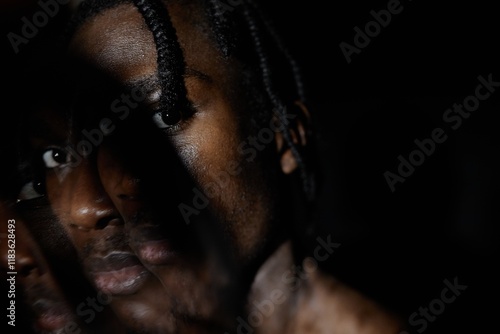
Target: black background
column 442, row 222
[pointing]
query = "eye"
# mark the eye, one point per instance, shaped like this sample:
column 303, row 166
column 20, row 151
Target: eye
column 167, row 120
column 54, row 157
column 31, row 190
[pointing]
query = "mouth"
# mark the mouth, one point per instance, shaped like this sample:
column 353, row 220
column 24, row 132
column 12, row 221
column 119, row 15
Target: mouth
column 155, row 252
column 118, row 273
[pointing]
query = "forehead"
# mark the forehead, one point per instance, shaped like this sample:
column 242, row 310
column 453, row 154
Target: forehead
column 118, row 42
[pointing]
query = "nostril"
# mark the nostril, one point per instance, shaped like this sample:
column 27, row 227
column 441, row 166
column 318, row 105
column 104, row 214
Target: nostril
column 108, row 221
column 125, row 197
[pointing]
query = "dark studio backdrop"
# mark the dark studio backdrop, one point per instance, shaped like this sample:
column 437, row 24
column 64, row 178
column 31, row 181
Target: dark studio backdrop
column 440, row 224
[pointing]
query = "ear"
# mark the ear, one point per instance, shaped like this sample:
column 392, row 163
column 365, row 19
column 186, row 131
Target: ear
column 299, row 131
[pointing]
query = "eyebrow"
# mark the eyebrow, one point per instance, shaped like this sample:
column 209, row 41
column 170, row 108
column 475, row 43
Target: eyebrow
column 151, row 83
column 191, row 72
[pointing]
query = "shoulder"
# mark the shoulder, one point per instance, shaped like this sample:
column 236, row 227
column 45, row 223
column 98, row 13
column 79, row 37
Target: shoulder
column 326, row 305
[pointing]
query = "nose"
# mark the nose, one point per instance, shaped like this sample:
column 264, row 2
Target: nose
column 119, row 183
column 96, row 194
column 83, row 201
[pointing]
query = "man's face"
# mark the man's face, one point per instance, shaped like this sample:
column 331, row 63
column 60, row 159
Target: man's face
column 122, row 204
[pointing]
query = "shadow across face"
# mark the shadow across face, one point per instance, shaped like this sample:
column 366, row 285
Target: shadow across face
column 113, row 183
column 169, row 211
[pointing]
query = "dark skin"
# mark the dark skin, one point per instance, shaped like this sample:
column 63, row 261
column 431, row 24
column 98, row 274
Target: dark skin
column 39, row 299
column 212, row 135
column 102, row 189
column 99, row 199
column 142, row 304
column 34, row 280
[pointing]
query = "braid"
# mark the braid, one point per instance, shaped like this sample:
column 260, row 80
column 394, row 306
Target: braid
column 299, row 83
column 171, row 65
column 222, row 28
column 170, row 60
column 279, row 107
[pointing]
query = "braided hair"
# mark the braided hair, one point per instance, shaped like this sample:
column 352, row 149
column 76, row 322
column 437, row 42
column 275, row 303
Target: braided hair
column 227, row 23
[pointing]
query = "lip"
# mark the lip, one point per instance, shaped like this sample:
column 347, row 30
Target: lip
column 155, row 252
column 152, row 246
column 118, row 273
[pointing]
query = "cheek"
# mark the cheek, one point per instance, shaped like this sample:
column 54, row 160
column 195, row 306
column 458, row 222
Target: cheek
column 235, row 188
column 56, row 192
column 208, row 147
column 60, row 195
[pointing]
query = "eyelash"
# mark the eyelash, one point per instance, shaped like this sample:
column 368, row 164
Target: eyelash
column 30, row 190
column 171, row 130
column 157, row 118
column 48, row 154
